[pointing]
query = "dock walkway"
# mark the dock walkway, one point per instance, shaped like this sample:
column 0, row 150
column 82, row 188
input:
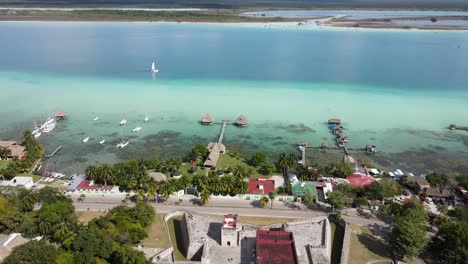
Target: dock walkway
column 55, row 152
column 223, row 128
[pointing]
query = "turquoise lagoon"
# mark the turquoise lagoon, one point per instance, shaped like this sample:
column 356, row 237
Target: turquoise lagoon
column 398, row 90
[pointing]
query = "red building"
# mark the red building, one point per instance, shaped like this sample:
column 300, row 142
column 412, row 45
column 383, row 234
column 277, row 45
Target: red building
column 359, row 179
column 275, row 247
column 261, row 185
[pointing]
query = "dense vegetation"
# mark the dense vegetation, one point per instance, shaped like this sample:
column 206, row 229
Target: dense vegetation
column 108, row 239
column 34, row 151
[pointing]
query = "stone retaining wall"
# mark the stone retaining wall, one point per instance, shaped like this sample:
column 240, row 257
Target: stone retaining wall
column 346, row 241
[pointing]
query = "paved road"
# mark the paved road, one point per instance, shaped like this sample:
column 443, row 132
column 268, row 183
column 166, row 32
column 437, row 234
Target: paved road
column 83, row 206
column 225, row 206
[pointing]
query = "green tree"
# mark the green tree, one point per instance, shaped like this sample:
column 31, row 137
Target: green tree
column 106, row 173
column 198, row 153
column 258, row 159
column 451, row 243
column 335, row 199
column 437, row 180
column 462, row 180
column 272, row 196
column 459, row 213
column 360, row 201
column 408, row 238
column 91, row 243
column 268, row 168
column 308, row 198
column 283, row 163
column 33, row 252
column 205, row 196
column 263, row 201
column 128, row 255
column 4, row 152
column 65, row 258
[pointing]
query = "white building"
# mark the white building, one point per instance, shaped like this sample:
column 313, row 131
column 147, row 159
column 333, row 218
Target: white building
column 26, row 182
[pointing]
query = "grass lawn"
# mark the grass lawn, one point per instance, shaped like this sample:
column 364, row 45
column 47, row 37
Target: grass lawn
column 263, row 221
column 365, row 247
column 157, row 234
column 36, row 178
column 86, row 216
column 176, row 238
column 224, row 162
column 4, row 164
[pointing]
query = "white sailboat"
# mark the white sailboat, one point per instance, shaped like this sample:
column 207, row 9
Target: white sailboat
column 123, row 143
column 146, row 118
column 37, row 134
column 137, row 129
column 123, row 122
column 96, row 118
column 102, row 141
column 86, row 140
column 153, row 68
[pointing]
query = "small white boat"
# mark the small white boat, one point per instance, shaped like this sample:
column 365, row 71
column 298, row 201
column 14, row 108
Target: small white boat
column 102, row 141
column 37, row 134
column 123, row 122
column 153, row 68
column 86, row 140
column 46, row 128
column 122, row 144
column 96, row 118
column 146, row 118
column 137, row 129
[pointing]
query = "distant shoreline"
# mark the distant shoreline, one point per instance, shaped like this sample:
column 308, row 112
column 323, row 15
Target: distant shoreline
column 121, row 14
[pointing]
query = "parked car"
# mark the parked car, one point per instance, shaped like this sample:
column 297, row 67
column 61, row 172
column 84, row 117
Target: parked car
column 429, row 200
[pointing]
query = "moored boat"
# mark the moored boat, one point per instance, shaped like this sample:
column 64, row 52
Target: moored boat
column 102, row 141
column 123, row 122
column 137, row 129
column 86, row 140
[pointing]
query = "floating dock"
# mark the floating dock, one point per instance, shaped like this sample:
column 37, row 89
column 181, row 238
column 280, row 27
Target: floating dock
column 55, row 152
column 455, row 127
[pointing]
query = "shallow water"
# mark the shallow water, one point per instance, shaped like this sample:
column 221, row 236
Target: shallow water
column 397, row 90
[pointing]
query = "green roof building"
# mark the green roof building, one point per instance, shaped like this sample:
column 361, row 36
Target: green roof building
column 299, row 189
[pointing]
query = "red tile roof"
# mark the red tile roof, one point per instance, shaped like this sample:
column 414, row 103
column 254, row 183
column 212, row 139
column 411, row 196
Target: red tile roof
column 85, row 185
column 275, row 247
column 360, row 179
column 268, row 185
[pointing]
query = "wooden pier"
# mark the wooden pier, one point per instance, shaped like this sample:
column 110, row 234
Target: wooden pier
column 223, row 128
column 55, row 152
column 455, row 127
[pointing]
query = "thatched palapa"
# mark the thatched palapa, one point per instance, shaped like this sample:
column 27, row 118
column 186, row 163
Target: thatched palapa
column 207, row 119
column 241, row 121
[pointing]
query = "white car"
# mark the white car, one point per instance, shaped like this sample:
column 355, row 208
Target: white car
column 429, row 200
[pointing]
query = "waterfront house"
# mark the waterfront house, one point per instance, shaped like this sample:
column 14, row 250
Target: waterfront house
column 334, row 121
column 89, row 187
column 60, row 115
column 26, row 182
column 8, row 242
column 262, row 185
column 418, row 183
column 358, row 179
column 215, row 149
column 207, row 119
column 157, row 176
column 16, row 150
column 241, row 121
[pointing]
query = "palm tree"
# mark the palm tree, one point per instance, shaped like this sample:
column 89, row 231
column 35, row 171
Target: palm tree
column 106, row 173
column 263, row 201
column 28, row 199
column 140, row 195
column 4, row 152
column 92, row 172
column 241, row 187
column 62, row 231
column 205, row 196
column 239, row 172
column 283, row 162
column 292, row 160
column 44, row 228
column 272, row 196
column 151, row 193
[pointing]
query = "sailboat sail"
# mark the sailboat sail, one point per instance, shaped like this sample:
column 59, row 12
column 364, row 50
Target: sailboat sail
column 153, row 67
